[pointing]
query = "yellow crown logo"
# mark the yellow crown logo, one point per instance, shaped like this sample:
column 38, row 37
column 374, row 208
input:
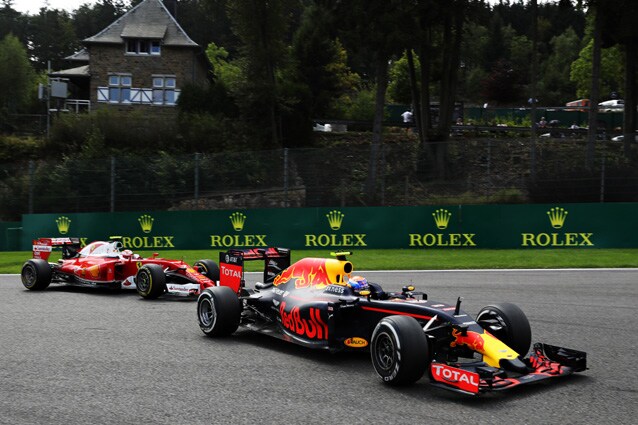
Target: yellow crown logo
column 237, row 219
column 63, row 224
column 557, row 216
column 335, row 218
column 146, row 222
column 441, row 218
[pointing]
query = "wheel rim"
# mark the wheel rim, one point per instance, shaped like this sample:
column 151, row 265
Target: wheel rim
column 143, row 281
column 384, row 352
column 493, row 322
column 207, row 314
column 28, row 275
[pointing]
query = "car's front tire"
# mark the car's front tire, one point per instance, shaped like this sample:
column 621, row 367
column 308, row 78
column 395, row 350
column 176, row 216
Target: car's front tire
column 36, row 274
column 208, row 268
column 399, row 350
column 508, row 323
column 218, row 311
column 150, row 281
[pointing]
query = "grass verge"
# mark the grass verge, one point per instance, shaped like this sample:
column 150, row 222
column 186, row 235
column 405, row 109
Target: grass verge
column 412, row 259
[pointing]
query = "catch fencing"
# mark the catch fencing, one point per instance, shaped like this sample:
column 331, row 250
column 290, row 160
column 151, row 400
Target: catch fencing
column 465, row 170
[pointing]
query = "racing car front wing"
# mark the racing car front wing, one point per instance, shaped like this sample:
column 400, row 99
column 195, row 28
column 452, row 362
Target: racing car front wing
column 546, row 361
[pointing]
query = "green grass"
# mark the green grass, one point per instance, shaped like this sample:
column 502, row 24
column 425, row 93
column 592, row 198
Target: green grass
column 413, row 259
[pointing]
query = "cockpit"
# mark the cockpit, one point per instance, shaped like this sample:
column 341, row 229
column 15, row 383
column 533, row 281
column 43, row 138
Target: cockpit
column 102, row 249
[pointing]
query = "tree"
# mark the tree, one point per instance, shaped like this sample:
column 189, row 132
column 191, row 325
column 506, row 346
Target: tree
column 89, row 19
column 400, row 87
column 610, row 70
column 51, row 38
column 261, row 28
column 12, row 21
column 321, row 63
column 16, row 75
column 618, row 27
column 370, row 27
column 556, row 86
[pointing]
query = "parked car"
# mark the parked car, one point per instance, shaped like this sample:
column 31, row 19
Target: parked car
column 614, row 105
column 578, row 105
column 621, row 138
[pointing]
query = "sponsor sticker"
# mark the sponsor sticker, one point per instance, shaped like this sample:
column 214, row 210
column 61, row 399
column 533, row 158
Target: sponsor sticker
column 459, row 378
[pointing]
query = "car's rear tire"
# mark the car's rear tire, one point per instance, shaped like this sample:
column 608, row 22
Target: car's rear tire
column 399, row 350
column 208, row 268
column 36, row 274
column 150, row 281
column 508, row 323
column 218, row 311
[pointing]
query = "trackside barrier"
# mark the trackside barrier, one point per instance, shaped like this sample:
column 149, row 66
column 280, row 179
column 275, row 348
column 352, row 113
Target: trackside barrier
column 595, row 225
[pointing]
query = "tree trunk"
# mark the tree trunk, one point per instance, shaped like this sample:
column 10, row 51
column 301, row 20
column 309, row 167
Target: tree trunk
column 629, row 131
column 414, row 89
column 595, row 90
column 424, row 55
column 377, row 129
column 453, row 35
column 533, row 79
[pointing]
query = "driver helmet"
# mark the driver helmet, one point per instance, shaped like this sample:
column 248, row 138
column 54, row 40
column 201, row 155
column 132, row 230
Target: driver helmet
column 358, row 283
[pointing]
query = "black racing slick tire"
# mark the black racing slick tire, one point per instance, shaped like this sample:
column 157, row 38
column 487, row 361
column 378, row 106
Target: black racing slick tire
column 508, row 323
column 218, row 311
column 399, row 350
column 150, row 281
column 36, row 274
column 208, row 268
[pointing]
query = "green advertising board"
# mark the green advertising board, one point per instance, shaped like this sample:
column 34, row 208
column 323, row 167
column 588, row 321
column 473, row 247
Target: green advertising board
column 610, row 225
column 10, row 235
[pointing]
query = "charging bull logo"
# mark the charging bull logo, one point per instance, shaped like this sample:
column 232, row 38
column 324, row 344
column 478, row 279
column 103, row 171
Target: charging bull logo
column 312, row 327
column 311, row 273
column 471, row 339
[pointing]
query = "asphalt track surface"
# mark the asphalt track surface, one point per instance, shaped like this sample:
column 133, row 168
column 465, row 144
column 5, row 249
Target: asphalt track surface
column 80, row 356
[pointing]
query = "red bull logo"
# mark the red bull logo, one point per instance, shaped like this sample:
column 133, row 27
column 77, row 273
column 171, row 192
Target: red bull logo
column 471, row 339
column 307, row 272
column 313, row 327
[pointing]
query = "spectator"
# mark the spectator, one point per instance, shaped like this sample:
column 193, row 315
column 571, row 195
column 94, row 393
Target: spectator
column 543, row 122
column 407, row 120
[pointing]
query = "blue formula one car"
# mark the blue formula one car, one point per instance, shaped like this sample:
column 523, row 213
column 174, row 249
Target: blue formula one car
column 319, row 303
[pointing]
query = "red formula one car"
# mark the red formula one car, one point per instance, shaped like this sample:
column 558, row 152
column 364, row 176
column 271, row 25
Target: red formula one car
column 106, row 264
column 319, row 303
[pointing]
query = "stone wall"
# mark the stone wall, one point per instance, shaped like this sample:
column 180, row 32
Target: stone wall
column 183, row 63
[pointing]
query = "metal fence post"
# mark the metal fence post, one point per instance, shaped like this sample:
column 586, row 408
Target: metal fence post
column 31, row 173
column 196, row 195
column 602, row 173
column 286, row 177
column 112, row 184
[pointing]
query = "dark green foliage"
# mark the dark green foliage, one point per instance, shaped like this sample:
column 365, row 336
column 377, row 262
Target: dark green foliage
column 16, row 76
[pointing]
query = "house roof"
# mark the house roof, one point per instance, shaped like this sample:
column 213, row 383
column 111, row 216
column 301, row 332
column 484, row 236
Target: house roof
column 80, row 71
column 149, row 19
column 80, row 56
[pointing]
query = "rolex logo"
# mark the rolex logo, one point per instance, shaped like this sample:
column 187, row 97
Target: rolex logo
column 441, row 218
column 557, row 216
column 63, row 224
column 334, row 219
column 237, row 219
column 146, row 222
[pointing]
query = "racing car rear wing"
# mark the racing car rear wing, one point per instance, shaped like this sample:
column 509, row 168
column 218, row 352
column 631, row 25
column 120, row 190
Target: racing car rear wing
column 42, row 247
column 231, row 265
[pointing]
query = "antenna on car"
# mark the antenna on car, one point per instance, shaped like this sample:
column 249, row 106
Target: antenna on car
column 341, row 255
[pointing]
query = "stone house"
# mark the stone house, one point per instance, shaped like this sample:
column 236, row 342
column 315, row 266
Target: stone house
column 142, row 60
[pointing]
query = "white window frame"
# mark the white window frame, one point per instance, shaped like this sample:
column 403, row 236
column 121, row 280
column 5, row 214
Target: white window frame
column 143, row 47
column 119, row 83
column 163, row 87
